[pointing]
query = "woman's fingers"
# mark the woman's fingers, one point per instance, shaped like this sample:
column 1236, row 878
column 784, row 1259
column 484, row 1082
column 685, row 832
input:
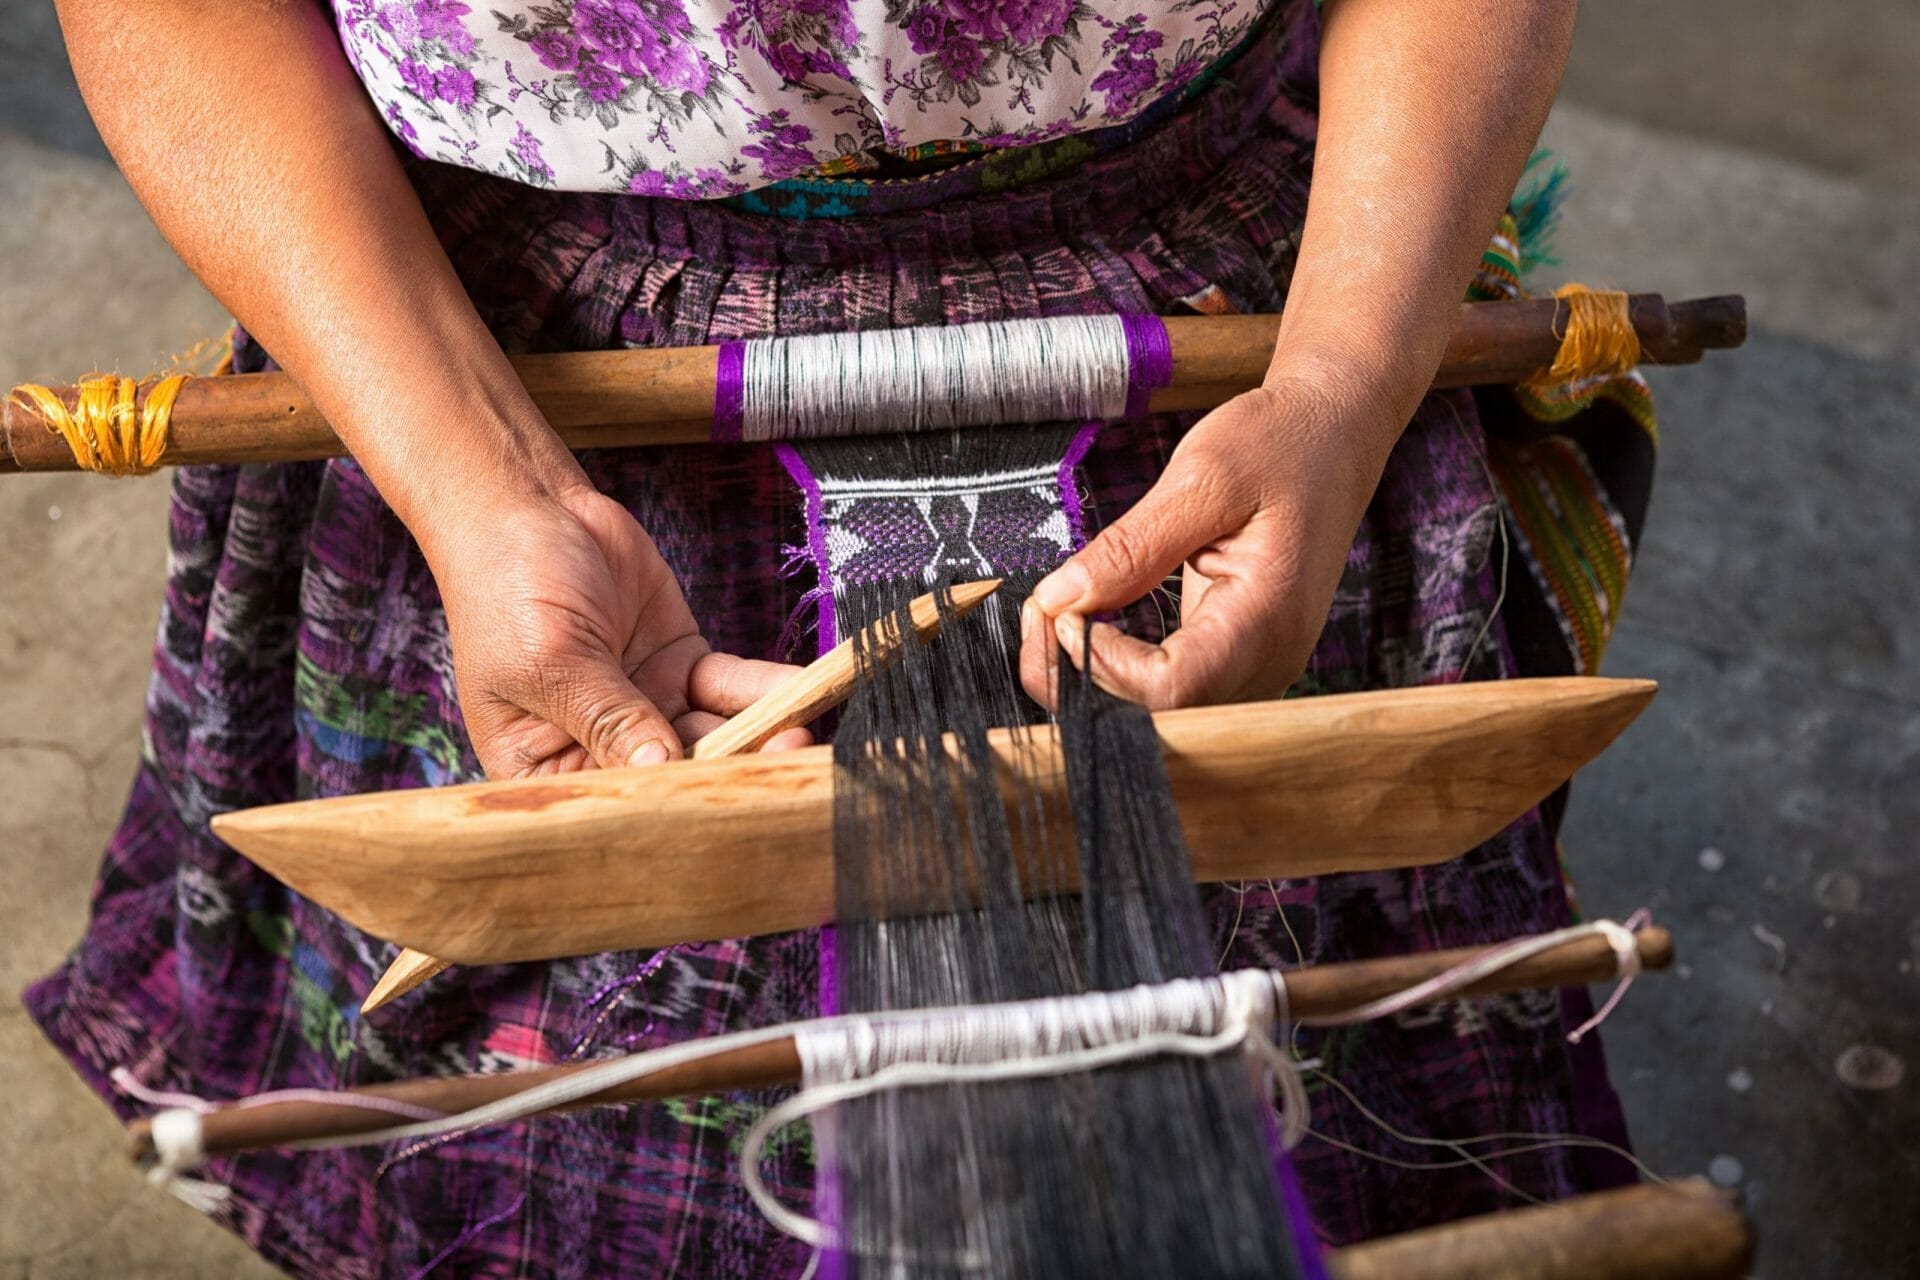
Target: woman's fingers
column 1039, row 655
column 1189, row 506
column 789, row 740
column 615, row 724
column 1194, row 504
column 596, row 705
column 725, row 685
column 1226, row 647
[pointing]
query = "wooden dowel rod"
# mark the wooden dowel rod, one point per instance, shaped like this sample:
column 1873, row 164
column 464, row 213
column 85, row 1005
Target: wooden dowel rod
column 823, row 685
column 1314, row 992
column 696, row 850
column 1329, row 989
column 665, row 395
column 1682, row 1231
column 828, row 680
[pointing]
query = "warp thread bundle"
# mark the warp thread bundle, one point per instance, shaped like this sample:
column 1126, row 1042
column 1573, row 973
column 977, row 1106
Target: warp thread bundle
column 1029, row 1177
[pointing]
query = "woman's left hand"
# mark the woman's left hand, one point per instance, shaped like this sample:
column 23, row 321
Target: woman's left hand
column 1259, row 503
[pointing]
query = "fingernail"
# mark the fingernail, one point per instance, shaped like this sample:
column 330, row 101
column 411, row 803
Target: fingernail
column 653, row 751
column 1029, row 619
column 1061, row 588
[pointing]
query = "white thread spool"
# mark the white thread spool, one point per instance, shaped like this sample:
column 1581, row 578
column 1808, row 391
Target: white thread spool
column 1060, row 369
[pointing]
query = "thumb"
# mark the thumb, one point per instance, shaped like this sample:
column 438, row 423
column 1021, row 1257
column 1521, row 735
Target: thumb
column 1137, row 552
column 598, row 707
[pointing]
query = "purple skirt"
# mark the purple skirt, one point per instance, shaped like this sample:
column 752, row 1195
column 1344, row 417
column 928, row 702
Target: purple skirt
column 303, row 652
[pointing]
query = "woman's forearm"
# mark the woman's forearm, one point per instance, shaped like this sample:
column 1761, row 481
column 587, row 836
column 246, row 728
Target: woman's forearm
column 1428, row 112
column 251, row 143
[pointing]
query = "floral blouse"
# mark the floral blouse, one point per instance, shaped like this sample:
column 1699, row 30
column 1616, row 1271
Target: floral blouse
column 698, row 99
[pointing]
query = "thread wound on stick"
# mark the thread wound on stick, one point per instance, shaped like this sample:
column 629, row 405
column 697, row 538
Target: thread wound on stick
column 1060, row 369
column 110, row 428
column 1599, row 340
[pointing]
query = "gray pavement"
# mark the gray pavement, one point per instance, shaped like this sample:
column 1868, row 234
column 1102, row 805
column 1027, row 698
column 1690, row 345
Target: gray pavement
column 1762, row 807
column 88, row 284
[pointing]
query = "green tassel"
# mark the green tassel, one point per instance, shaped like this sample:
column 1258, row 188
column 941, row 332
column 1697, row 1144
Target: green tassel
column 1536, row 208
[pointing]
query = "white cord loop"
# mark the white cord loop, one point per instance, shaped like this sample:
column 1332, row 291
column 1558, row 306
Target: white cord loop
column 1626, row 955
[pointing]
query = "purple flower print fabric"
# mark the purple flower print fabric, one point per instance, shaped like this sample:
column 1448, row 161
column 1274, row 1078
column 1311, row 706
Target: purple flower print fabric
column 700, row 99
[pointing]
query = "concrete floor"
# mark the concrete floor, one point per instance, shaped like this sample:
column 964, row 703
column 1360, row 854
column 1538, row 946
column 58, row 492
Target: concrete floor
column 1761, row 808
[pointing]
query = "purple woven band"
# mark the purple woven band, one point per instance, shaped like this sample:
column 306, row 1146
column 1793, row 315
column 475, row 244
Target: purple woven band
column 1149, row 360
column 730, row 393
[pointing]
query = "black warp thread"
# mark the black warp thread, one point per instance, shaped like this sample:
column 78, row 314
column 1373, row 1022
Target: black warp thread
column 1153, row 1169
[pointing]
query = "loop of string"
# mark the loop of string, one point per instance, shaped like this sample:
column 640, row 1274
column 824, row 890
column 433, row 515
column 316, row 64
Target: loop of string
column 1626, row 954
column 1599, row 340
column 110, row 428
column 1484, row 964
column 179, row 1138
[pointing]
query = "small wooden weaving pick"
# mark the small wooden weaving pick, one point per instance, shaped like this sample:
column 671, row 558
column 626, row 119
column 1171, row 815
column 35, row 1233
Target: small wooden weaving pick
column 822, row 686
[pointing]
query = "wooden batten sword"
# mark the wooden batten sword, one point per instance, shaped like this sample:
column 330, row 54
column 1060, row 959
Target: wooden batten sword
column 618, row 859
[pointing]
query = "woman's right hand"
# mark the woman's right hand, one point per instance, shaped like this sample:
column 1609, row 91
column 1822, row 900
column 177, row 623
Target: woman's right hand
column 572, row 644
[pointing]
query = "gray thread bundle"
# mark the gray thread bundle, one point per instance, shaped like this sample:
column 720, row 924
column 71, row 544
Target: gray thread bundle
column 1066, row 368
column 1154, row 1168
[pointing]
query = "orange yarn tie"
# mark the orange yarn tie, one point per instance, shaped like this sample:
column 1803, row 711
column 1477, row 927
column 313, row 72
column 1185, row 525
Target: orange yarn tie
column 1599, row 341
column 109, row 428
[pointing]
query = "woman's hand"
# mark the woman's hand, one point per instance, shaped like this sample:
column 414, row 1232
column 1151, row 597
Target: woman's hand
column 1259, row 503
column 572, row 644
column 1427, row 115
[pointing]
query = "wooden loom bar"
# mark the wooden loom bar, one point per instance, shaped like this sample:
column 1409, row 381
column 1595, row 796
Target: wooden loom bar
column 695, row 850
column 1316, row 992
column 665, row 395
column 1681, row 1231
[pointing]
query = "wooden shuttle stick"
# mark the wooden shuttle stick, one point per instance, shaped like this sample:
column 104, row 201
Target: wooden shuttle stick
column 640, row 858
column 1680, row 1231
column 1317, row 992
column 665, row 395
column 824, row 685
column 828, row 680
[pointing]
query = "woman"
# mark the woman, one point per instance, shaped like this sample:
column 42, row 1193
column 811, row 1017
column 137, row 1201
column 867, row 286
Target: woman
column 390, row 200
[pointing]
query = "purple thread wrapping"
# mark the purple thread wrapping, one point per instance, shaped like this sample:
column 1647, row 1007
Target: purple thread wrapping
column 1077, row 450
column 730, row 394
column 816, row 537
column 826, row 1180
column 1149, row 360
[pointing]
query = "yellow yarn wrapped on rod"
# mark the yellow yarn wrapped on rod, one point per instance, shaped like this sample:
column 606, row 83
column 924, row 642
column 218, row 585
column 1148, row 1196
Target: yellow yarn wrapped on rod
column 110, row 428
column 1599, row 340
